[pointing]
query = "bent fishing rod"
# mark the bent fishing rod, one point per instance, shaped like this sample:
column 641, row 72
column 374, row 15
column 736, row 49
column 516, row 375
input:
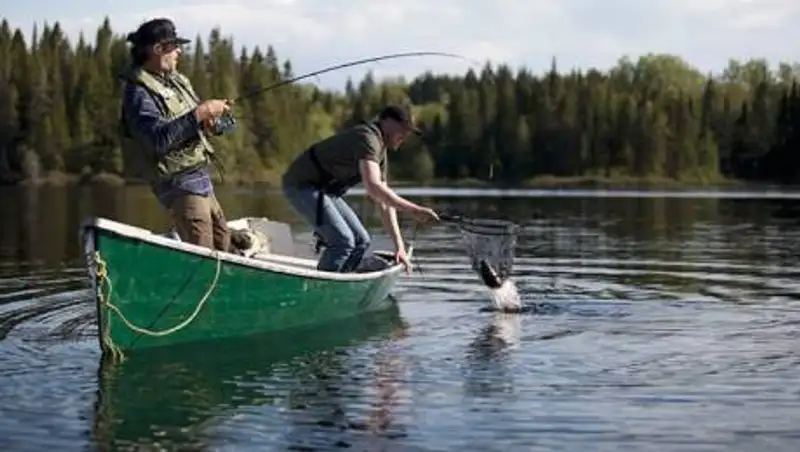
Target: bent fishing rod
column 227, row 122
column 350, row 64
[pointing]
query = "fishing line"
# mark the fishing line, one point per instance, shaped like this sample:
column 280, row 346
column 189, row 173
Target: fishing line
column 413, row 245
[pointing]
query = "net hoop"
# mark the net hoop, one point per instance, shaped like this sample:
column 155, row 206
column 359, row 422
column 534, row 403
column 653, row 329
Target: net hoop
column 489, row 227
column 492, row 240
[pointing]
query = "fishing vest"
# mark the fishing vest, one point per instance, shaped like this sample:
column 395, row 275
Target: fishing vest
column 139, row 158
column 338, row 187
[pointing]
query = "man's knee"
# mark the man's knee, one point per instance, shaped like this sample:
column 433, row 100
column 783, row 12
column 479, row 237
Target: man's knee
column 220, row 231
column 362, row 241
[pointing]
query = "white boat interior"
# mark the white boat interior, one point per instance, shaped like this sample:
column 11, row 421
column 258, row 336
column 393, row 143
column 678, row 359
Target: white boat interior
column 273, row 241
column 271, row 247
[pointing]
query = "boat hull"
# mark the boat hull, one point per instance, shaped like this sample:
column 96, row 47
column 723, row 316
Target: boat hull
column 151, row 290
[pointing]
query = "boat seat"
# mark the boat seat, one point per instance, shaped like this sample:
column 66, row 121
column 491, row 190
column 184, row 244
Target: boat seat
column 263, row 236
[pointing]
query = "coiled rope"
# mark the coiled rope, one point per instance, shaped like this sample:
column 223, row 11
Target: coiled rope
column 103, row 280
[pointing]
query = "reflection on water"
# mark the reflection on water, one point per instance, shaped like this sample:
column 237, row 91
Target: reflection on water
column 201, row 396
column 655, row 323
column 39, row 226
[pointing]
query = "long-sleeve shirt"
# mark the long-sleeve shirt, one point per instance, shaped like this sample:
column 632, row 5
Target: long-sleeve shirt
column 146, row 122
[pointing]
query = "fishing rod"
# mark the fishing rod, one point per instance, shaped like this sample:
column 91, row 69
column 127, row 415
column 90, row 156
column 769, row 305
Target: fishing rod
column 350, row 64
column 227, row 122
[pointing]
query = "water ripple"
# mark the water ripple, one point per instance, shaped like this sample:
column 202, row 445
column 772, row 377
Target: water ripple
column 642, row 335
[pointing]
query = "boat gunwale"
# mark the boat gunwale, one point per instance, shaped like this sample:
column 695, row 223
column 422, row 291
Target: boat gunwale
column 301, row 267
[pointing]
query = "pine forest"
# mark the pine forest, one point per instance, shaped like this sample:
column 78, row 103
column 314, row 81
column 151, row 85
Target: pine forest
column 653, row 118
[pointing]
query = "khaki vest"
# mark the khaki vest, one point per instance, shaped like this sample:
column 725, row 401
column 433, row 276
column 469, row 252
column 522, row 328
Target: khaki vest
column 139, row 159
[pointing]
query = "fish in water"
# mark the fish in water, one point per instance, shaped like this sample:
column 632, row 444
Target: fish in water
column 489, row 276
column 503, row 292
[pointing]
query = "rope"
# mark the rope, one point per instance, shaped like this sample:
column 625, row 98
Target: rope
column 105, row 301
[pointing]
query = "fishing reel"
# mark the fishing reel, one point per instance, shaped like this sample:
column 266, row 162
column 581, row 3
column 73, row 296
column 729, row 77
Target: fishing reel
column 226, row 123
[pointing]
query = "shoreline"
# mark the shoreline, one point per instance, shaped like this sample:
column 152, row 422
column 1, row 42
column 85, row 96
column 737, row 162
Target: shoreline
column 55, row 179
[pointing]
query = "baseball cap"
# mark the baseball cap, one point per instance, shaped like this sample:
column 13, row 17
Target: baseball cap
column 401, row 115
column 156, row 31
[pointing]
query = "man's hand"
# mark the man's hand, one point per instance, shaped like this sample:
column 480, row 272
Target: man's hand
column 425, row 215
column 401, row 257
column 211, row 109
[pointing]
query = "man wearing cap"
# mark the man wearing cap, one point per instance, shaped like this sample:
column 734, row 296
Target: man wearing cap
column 317, row 179
column 165, row 130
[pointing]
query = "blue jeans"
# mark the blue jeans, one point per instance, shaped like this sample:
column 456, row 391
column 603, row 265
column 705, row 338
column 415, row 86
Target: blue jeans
column 346, row 239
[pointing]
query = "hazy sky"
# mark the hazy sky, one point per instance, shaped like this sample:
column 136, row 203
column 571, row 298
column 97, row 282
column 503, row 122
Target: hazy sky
column 316, row 33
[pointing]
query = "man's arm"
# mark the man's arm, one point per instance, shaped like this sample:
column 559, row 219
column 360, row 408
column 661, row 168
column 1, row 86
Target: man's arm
column 389, row 214
column 389, row 220
column 146, row 121
column 389, row 217
column 379, row 191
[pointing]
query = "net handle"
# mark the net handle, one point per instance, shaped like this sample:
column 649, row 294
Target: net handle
column 449, row 218
column 485, row 226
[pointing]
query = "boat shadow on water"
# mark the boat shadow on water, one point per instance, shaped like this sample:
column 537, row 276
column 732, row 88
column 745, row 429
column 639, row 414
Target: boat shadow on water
column 290, row 388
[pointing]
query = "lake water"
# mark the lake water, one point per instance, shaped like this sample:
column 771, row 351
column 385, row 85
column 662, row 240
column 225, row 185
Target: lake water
column 660, row 322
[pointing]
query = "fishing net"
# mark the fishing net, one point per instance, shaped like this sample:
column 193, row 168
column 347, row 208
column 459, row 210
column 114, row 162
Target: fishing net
column 492, row 240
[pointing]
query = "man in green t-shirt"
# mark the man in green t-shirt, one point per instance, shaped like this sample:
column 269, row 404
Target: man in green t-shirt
column 319, row 177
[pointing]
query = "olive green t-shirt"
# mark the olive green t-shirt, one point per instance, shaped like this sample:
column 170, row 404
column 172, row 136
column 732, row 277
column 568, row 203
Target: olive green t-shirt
column 339, row 154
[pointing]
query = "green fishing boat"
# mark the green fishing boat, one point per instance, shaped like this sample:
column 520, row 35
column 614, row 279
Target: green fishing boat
column 152, row 290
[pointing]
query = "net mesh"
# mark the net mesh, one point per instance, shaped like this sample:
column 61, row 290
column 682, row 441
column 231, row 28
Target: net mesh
column 492, row 240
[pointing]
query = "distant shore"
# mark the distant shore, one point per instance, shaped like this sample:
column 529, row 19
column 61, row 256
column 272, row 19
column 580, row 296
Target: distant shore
column 544, row 182
column 588, row 182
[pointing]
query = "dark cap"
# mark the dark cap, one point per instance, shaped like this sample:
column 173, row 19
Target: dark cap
column 401, row 115
column 156, row 31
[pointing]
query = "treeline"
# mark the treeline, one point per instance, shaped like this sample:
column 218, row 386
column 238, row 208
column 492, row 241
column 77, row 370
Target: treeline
column 656, row 118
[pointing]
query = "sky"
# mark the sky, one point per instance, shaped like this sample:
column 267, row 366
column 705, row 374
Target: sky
column 530, row 33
